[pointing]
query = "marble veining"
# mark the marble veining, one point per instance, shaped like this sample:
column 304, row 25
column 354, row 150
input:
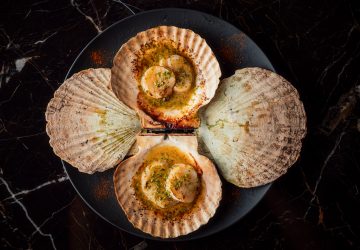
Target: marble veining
column 314, row 44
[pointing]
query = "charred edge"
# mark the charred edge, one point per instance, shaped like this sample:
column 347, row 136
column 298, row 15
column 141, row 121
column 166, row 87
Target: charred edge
column 168, row 131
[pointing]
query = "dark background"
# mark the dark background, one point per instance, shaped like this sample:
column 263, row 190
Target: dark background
column 314, row 44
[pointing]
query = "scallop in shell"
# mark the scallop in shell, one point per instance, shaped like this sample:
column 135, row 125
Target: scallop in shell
column 87, row 125
column 167, row 189
column 253, row 127
column 166, row 73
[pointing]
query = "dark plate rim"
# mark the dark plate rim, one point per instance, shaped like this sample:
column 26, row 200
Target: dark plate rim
column 66, row 165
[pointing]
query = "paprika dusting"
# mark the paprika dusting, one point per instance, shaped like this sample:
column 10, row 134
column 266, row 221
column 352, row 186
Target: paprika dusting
column 103, row 189
column 230, row 46
column 97, row 57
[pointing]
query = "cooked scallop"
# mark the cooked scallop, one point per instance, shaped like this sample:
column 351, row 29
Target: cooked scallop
column 158, row 82
column 183, row 70
column 167, row 189
column 186, row 55
column 182, row 182
column 254, row 127
column 151, row 178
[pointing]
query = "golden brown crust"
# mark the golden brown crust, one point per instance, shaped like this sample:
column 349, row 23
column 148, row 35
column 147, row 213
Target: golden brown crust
column 125, row 84
column 254, row 127
column 87, row 125
column 149, row 220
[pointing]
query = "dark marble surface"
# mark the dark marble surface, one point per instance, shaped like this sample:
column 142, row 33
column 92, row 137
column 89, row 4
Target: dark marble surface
column 314, row 44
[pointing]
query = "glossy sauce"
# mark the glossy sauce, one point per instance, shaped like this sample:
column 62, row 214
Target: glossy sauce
column 151, row 56
column 168, row 155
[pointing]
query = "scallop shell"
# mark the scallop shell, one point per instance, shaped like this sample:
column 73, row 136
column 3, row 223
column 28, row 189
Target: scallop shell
column 87, row 125
column 125, row 85
column 151, row 222
column 254, row 126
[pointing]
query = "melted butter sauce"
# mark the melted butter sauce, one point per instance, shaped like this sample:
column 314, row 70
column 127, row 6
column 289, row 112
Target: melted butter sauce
column 151, row 55
column 169, row 155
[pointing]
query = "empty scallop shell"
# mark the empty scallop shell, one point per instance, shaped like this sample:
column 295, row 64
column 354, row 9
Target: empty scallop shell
column 207, row 70
column 152, row 222
column 87, row 125
column 253, row 127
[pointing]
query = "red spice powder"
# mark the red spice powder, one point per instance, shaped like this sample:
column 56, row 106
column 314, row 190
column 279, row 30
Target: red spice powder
column 103, row 189
column 230, row 46
column 227, row 52
column 97, row 57
column 238, row 38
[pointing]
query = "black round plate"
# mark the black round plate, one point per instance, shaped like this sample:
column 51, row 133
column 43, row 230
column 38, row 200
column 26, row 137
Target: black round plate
column 233, row 50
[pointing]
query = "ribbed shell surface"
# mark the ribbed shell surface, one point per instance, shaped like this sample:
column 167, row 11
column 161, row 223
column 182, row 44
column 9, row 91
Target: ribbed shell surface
column 125, row 85
column 148, row 220
column 87, row 125
column 254, row 126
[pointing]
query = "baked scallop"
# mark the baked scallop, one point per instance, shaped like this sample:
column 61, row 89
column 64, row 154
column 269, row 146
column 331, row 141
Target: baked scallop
column 254, row 126
column 87, row 125
column 166, row 73
column 167, row 189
